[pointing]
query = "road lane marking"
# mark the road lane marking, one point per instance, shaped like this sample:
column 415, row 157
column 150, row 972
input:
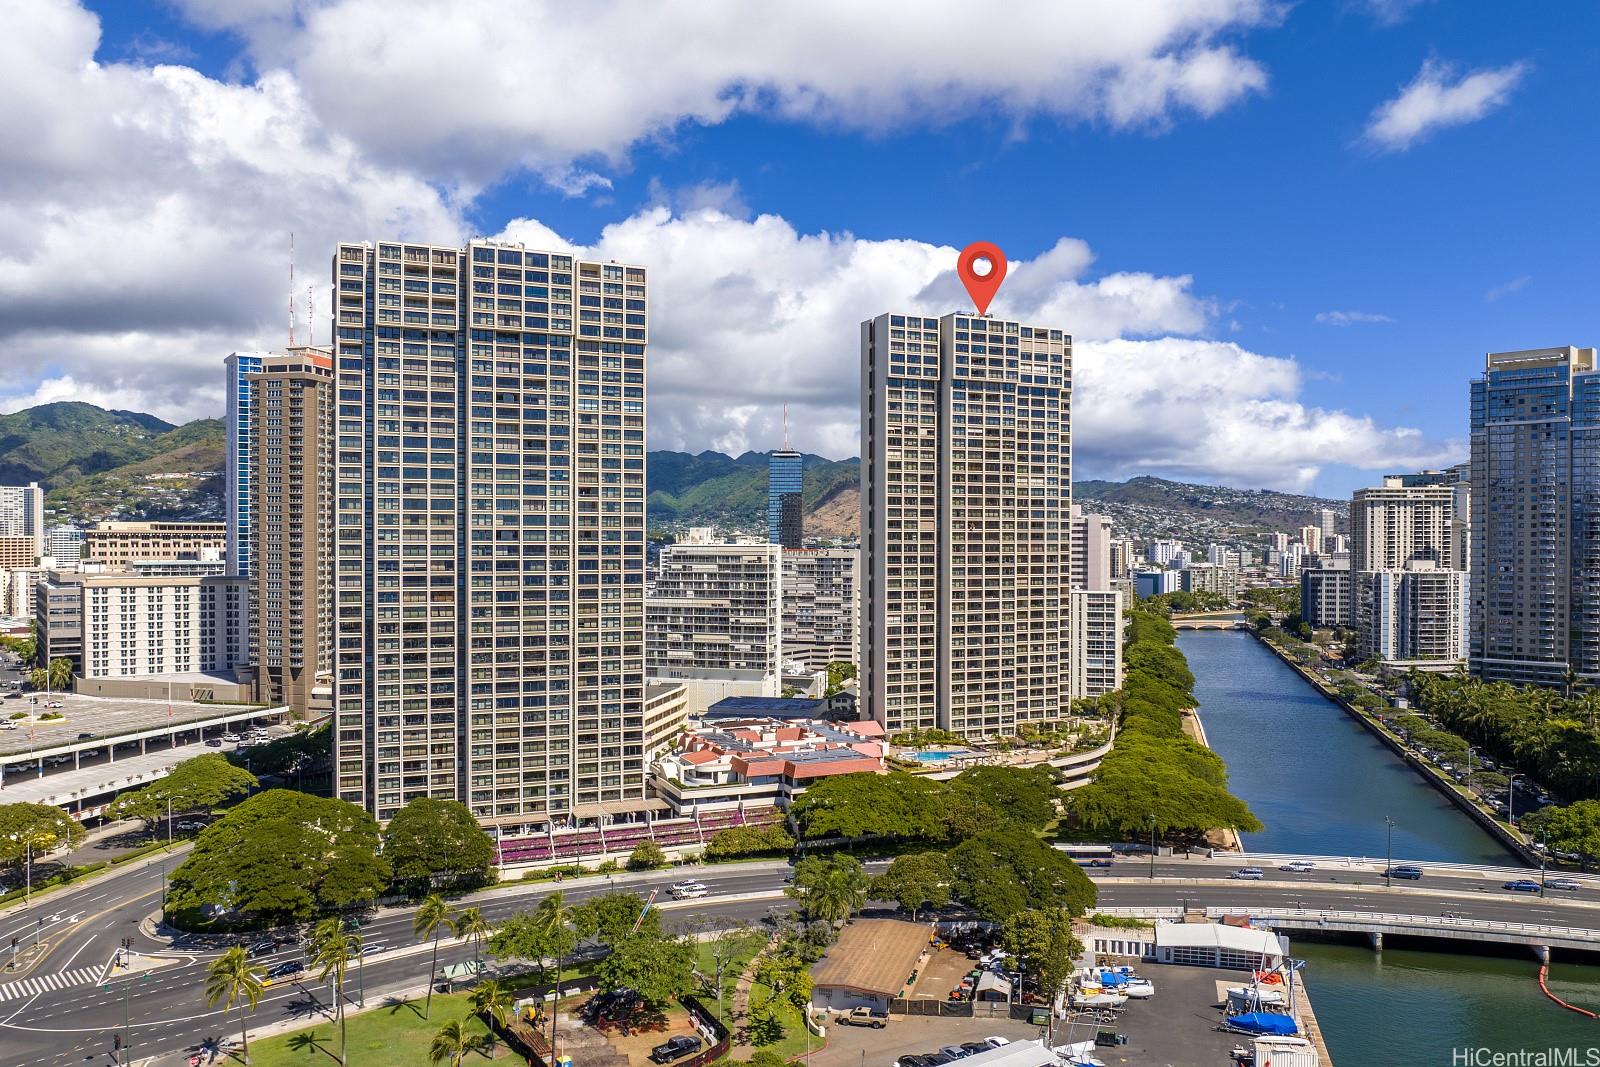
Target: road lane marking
column 32, row 987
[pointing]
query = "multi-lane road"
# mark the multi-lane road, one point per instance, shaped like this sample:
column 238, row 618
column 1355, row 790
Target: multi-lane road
column 59, row 1012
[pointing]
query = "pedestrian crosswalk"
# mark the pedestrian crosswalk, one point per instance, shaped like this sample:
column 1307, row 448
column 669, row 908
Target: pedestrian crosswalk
column 44, row 983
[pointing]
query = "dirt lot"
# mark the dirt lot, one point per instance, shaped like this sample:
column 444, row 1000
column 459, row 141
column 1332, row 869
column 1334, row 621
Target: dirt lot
column 941, row 973
column 636, row 1045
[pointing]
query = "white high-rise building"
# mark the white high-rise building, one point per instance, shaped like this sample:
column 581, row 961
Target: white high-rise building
column 1163, row 552
column 1409, row 517
column 1328, row 522
column 488, row 557
column 1094, row 630
column 821, row 606
column 64, row 544
column 1311, row 540
column 714, row 620
column 1280, row 542
column 164, row 619
column 1414, row 615
column 22, row 513
column 966, row 556
column 1122, row 556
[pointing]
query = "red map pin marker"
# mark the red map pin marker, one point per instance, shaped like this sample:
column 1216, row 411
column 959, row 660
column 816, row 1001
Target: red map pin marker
column 981, row 287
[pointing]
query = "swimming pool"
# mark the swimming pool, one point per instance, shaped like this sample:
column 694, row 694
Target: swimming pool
column 940, row 755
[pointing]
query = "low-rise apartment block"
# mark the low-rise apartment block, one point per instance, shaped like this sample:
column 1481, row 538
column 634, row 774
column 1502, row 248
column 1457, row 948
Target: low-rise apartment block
column 727, row 764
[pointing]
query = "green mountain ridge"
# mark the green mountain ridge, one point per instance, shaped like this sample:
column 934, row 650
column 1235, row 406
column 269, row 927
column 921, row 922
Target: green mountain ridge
column 97, row 464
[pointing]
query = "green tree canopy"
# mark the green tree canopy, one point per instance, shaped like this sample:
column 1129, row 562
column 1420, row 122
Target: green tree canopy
column 916, row 881
column 1026, row 796
column 43, row 826
column 896, row 806
column 646, row 855
column 437, row 842
column 1574, row 828
column 830, row 888
column 770, row 839
column 1006, row 871
column 610, row 918
column 204, row 783
column 1042, row 940
column 657, row 968
column 283, row 856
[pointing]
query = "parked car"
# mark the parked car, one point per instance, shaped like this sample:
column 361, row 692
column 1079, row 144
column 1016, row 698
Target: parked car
column 1522, row 885
column 872, row 1017
column 1250, row 873
column 1298, row 866
column 86, row 736
column 955, row 1052
column 1403, row 870
column 1567, row 884
column 939, row 1058
column 674, row 1048
column 214, row 742
column 192, row 825
column 972, row 1048
column 913, row 1061
column 230, row 737
column 995, row 1041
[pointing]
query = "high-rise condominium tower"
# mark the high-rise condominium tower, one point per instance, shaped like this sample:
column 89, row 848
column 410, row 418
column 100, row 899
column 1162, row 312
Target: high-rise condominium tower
column 22, row 514
column 489, row 507
column 237, row 461
column 290, row 481
column 967, row 482
column 785, row 480
column 1409, row 517
column 1535, row 586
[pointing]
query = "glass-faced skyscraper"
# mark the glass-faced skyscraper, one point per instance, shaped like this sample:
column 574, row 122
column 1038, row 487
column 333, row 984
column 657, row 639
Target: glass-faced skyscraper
column 966, row 491
column 489, row 518
column 785, row 481
column 1535, row 557
column 239, row 366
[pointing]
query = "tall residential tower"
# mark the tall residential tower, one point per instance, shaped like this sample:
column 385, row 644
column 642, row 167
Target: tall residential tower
column 489, row 507
column 1535, row 548
column 966, row 487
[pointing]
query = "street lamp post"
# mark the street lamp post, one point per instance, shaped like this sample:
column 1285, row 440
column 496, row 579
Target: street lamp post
column 1152, row 848
column 1388, row 867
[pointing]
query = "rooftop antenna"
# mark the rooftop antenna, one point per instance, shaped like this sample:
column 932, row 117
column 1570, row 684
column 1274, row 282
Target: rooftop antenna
column 786, row 427
column 291, row 288
column 311, row 315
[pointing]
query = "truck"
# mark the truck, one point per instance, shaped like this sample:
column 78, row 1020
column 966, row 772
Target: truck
column 873, row 1017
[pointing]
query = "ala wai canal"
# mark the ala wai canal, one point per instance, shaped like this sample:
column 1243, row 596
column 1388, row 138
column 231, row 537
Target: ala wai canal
column 1323, row 785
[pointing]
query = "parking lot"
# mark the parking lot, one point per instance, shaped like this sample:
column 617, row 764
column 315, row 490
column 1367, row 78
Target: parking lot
column 860, row 1046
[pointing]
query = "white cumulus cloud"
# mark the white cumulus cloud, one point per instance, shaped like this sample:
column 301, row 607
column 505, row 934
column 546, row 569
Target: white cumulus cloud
column 1350, row 318
column 472, row 88
column 1436, row 99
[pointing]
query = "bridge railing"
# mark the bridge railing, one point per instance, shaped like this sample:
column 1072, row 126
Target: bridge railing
column 1352, row 862
column 1367, row 918
column 1440, row 922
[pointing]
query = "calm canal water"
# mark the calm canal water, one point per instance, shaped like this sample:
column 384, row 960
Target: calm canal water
column 1323, row 785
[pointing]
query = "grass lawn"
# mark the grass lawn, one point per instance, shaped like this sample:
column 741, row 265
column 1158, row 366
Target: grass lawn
column 748, row 947
column 393, row 1034
column 793, row 1042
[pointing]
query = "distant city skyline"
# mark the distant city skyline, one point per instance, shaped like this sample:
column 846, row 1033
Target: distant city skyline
column 1226, row 205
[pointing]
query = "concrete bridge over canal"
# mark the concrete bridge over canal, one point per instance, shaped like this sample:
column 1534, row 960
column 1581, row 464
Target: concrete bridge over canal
column 1210, row 620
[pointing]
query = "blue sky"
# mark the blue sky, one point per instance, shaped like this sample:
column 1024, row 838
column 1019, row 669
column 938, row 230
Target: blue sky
column 1271, row 194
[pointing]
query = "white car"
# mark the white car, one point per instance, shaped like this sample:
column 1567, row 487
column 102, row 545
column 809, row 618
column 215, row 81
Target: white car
column 230, row 737
column 996, row 1041
column 1299, row 866
column 688, row 890
column 1248, row 873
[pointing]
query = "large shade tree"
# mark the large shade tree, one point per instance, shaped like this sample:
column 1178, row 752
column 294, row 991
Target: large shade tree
column 280, row 857
column 432, row 843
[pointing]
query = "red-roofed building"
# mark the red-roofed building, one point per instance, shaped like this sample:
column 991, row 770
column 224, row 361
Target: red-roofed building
column 727, row 764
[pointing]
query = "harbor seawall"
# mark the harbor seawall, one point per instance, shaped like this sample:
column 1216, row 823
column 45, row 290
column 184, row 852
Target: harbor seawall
column 1432, row 776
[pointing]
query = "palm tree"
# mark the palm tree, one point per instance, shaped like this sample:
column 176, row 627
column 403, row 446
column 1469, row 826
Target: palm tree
column 554, row 917
column 433, row 915
column 472, row 926
column 491, row 1000
column 449, row 1044
column 232, row 979
column 332, row 949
